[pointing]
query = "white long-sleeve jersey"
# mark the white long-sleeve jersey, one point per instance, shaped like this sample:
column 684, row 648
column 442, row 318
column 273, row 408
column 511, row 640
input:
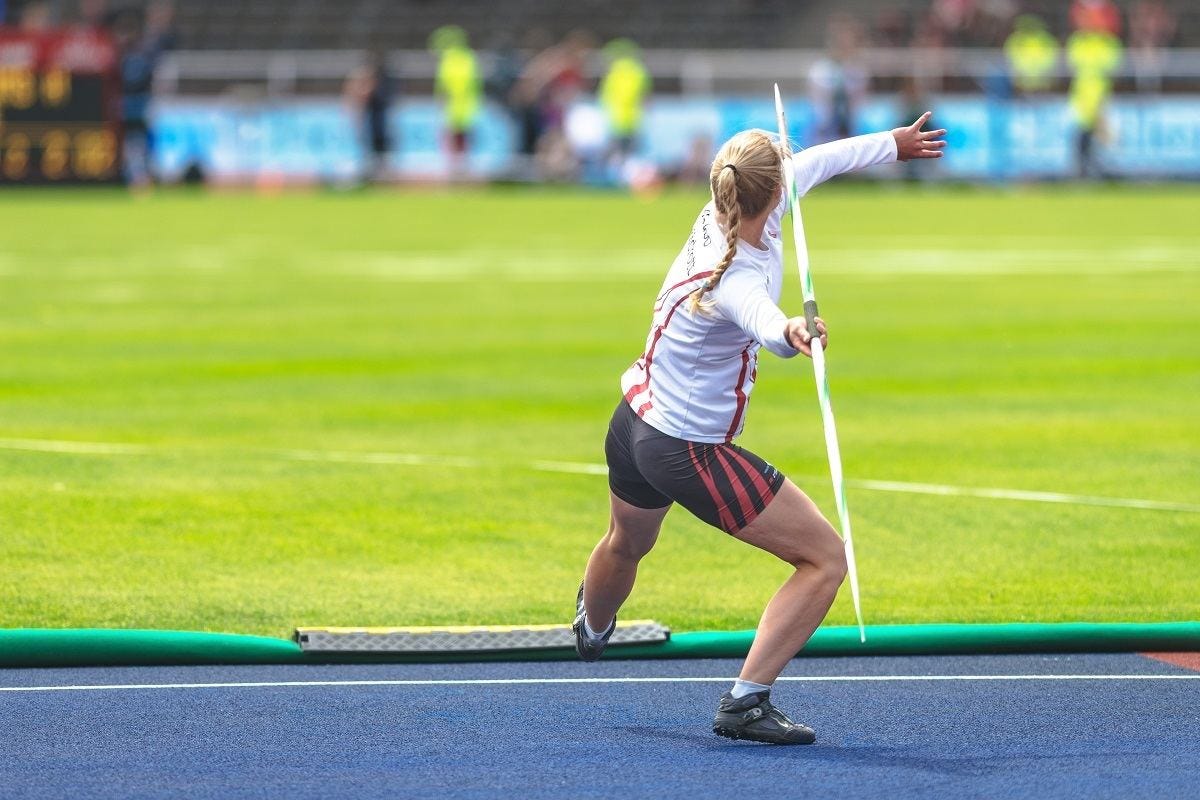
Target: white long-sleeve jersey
column 694, row 378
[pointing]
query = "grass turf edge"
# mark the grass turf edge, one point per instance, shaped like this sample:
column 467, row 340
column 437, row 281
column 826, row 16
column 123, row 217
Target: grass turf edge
column 96, row 647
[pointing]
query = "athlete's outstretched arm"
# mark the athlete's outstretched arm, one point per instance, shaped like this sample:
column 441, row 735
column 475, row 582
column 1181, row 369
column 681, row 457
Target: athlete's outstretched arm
column 818, row 164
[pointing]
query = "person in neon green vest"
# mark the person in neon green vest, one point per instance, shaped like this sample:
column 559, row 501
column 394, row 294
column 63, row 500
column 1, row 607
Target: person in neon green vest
column 623, row 93
column 1093, row 55
column 459, row 84
column 1032, row 54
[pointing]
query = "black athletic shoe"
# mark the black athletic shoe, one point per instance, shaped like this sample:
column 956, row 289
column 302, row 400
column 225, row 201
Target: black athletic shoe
column 589, row 649
column 754, row 718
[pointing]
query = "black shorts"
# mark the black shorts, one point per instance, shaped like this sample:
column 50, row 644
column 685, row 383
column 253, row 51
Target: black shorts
column 725, row 485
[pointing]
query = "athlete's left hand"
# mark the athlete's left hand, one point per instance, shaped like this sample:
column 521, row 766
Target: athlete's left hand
column 796, row 333
column 912, row 142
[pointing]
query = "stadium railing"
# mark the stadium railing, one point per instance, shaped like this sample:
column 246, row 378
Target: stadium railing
column 686, row 72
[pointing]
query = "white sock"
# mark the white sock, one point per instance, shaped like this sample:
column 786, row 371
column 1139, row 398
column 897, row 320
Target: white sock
column 742, row 688
column 587, row 629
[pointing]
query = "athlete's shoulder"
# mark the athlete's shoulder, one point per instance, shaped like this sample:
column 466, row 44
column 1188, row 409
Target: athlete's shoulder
column 702, row 247
column 706, row 227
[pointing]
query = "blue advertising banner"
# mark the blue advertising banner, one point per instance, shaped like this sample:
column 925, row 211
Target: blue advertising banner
column 988, row 140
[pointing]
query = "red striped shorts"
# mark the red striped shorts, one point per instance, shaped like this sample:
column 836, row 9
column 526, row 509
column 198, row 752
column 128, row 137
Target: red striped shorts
column 725, row 485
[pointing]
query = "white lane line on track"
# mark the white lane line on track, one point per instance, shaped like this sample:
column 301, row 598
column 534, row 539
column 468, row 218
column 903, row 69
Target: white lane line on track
column 552, row 681
column 586, row 468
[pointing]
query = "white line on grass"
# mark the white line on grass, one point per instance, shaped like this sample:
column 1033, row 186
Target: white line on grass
column 553, row 681
column 87, row 448
column 586, row 468
column 592, row 266
column 937, row 489
column 1019, row 494
column 574, row 467
column 402, row 459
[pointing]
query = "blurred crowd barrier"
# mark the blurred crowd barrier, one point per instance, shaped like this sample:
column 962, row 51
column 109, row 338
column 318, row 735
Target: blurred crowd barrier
column 688, row 72
column 294, row 140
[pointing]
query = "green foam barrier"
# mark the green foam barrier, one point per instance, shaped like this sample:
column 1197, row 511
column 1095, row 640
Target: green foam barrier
column 36, row 647
column 956, row 639
column 899, row 640
column 98, row 647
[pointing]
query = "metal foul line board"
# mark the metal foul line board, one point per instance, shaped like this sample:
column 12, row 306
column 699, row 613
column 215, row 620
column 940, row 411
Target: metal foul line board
column 466, row 638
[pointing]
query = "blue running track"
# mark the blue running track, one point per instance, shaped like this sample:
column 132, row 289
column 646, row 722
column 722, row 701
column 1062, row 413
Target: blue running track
column 887, row 728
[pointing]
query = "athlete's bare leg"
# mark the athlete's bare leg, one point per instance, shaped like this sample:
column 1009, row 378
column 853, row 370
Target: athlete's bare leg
column 792, row 528
column 611, row 570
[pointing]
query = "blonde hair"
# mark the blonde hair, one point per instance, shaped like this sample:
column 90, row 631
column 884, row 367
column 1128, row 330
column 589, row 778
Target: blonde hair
column 745, row 179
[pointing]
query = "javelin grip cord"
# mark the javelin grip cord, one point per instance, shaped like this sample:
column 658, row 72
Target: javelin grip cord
column 810, row 318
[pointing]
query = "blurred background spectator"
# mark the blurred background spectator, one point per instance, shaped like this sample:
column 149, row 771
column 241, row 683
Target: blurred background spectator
column 1151, row 29
column 368, row 92
column 554, row 79
column 623, row 92
column 460, row 87
column 549, row 82
column 501, row 83
column 1096, row 15
column 1094, row 52
column 141, row 39
column 1032, row 55
column 838, row 81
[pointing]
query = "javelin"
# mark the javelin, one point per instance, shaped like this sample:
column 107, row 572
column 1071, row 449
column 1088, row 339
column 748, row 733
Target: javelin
column 818, row 360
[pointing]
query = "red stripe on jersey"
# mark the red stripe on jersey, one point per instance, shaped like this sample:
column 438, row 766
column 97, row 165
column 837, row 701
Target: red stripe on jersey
column 760, row 483
column 644, row 407
column 662, row 297
column 740, row 490
column 727, row 520
column 634, row 391
column 741, row 396
column 649, row 357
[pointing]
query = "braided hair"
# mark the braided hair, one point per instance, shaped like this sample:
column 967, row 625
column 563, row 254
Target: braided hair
column 745, row 179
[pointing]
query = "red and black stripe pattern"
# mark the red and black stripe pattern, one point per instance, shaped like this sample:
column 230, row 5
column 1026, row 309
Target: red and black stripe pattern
column 723, row 484
column 738, row 485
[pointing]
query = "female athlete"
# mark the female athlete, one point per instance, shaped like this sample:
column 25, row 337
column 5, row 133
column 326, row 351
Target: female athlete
column 670, row 439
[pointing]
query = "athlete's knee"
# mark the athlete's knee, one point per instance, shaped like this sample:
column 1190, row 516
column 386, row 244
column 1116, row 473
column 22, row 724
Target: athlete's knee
column 833, row 564
column 821, row 551
column 829, row 554
column 627, row 543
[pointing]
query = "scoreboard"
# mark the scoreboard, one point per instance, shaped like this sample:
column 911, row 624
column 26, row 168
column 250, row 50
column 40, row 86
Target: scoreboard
column 59, row 106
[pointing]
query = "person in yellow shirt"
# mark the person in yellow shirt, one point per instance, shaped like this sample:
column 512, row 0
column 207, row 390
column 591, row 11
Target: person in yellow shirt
column 460, row 86
column 623, row 92
column 1093, row 55
column 1032, row 54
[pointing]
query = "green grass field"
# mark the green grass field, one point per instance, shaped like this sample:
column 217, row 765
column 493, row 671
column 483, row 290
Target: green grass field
column 1044, row 340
